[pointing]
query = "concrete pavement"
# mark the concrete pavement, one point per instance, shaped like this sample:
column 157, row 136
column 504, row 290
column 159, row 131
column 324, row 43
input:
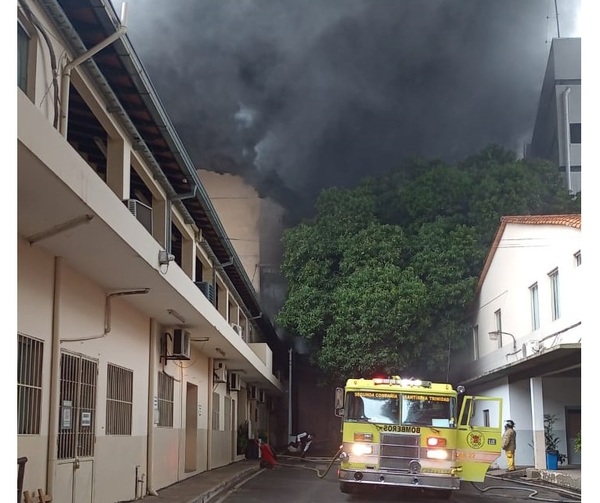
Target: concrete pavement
column 207, row 486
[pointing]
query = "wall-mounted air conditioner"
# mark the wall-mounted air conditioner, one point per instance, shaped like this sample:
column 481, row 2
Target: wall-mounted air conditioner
column 235, row 383
column 219, row 372
column 252, row 392
column 207, row 289
column 238, row 329
column 531, row 348
column 181, row 345
column 141, row 211
column 262, row 396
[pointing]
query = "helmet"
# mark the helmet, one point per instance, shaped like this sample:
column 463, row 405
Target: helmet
column 510, row 423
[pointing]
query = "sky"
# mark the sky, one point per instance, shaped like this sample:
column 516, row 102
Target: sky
column 299, row 95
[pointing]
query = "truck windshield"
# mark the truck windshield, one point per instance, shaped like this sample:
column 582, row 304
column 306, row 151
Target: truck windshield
column 372, row 407
column 429, row 410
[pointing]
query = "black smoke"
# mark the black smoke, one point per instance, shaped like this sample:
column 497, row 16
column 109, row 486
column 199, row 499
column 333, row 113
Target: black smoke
column 298, row 95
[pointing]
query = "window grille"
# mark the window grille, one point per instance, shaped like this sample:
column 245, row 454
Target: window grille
column 554, row 294
column 166, row 386
column 216, row 411
column 77, row 409
column 30, row 354
column 119, row 400
column 535, row 307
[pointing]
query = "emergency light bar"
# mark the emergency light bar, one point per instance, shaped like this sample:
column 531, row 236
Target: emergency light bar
column 401, row 382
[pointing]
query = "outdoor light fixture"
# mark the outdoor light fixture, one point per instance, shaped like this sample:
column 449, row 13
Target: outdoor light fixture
column 496, row 333
column 176, row 315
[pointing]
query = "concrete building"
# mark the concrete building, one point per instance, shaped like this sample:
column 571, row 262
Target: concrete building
column 557, row 130
column 527, row 332
column 144, row 352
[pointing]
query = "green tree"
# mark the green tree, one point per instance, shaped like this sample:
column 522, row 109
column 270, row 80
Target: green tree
column 381, row 278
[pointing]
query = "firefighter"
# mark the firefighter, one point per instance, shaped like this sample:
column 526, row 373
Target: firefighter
column 509, row 444
column 302, row 443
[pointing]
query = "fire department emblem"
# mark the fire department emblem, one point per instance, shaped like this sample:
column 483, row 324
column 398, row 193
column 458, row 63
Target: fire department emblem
column 475, row 439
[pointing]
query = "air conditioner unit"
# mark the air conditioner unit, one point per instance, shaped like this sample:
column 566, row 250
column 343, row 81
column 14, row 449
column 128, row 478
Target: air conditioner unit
column 141, row 211
column 252, row 392
column 234, row 382
column 238, row 329
column 219, row 372
column 207, row 289
column 181, row 345
column 262, row 396
column 530, row 348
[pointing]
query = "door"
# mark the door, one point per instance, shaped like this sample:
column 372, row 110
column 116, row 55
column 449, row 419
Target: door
column 191, row 427
column 479, row 436
column 573, row 429
column 76, row 429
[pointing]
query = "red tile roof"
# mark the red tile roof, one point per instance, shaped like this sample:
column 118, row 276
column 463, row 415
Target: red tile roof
column 570, row 220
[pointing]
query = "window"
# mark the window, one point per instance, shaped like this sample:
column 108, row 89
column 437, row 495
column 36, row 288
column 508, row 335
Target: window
column 577, row 258
column 166, row 386
column 498, row 316
column 476, row 342
column 119, row 400
column 371, row 407
column 29, row 385
column 535, row 307
column 23, row 44
column 216, row 411
column 227, row 413
column 554, row 294
column 575, row 132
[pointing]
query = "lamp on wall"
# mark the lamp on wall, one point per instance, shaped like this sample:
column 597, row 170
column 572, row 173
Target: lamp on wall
column 496, row 333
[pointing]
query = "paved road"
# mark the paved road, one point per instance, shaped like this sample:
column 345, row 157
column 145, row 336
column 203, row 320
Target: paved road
column 310, row 482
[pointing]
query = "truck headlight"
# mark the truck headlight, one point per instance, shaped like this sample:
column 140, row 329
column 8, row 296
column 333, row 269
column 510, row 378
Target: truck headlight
column 437, row 454
column 362, row 449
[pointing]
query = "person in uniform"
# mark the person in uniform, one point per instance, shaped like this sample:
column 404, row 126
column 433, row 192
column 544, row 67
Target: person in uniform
column 509, row 444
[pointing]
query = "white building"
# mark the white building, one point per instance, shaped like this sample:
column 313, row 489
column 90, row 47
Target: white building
column 557, row 130
column 527, row 331
column 142, row 342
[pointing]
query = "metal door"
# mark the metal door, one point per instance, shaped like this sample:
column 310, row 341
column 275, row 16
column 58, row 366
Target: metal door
column 76, row 429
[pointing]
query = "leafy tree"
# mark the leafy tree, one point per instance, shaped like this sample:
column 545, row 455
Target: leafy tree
column 381, row 278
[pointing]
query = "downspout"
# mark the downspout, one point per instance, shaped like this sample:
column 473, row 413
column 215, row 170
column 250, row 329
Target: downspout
column 567, row 138
column 54, row 379
column 151, row 410
column 209, row 429
column 66, row 74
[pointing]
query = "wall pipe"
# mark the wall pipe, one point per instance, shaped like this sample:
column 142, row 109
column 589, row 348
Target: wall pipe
column 567, row 137
column 154, row 337
column 290, row 351
column 52, row 454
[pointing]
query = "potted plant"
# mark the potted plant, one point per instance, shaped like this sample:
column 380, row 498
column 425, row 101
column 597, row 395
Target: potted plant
column 553, row 455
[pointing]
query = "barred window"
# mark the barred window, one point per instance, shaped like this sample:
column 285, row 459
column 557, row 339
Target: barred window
column 535, row 307
column 29, row 385
column 119, row 400
column 166, row 386
column 216, row 411
column 554, row 294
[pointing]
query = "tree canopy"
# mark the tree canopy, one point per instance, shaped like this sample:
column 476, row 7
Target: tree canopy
column 380, row 280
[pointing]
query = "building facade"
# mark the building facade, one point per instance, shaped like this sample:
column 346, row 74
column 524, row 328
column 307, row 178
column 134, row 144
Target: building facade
column 557, row 130
column 144, row 354
column 527, row 332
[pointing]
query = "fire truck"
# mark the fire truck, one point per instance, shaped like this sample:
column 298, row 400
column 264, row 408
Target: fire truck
column 414, row 433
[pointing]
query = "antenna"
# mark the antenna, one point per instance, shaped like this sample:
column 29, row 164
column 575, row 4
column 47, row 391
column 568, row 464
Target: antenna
column 557, row 23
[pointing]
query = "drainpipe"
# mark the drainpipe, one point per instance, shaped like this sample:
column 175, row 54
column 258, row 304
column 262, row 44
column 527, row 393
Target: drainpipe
column 154, row 333
column 209, row 429
column 66, row 74
column 567, row 137
column 54, row 379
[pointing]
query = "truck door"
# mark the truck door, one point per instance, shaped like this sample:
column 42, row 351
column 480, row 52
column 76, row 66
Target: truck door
column 479, row 436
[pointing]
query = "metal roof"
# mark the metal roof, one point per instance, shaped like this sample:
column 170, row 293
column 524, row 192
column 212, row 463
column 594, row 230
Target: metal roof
column 86, row 23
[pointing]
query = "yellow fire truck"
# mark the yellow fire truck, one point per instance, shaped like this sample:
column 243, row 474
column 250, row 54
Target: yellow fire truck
column 411, row 433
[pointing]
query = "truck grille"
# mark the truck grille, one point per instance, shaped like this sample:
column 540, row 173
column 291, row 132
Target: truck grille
column 397, row 450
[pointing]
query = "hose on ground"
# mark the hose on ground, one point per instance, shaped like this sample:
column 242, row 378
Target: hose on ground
column 533, row 493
